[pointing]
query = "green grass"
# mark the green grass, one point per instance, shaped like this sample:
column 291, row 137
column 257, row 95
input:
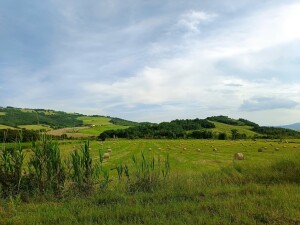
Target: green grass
column 205, row 187
column 99, row 120
column 35, row 127
column 99, row 129
column 2, row 113
column 48, row 112
column 184, row 154
column 226, row 204
column 27, row 110
column 2, row 127
column 221, row 127
column 101, row 124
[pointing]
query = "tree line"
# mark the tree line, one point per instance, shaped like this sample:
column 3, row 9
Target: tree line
column 175, row 129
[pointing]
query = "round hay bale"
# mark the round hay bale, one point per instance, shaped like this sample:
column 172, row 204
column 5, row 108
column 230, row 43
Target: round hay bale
column 199, row 150
column 106, row 155
column 215, row 149
column 109, row 149
column 239, row 156
column 150, row 149
column 276, row 149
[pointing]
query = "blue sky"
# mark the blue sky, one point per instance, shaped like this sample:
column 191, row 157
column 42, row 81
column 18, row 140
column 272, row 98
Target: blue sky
column 153, row 60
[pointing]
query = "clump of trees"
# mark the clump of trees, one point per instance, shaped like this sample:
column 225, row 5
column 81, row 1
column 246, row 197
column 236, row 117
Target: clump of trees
column 13, row 135
column 175, row 129
column 276, row 132
column 122, row 122
column 230, row 121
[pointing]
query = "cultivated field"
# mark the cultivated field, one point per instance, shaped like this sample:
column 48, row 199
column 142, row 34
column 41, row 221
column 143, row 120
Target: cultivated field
column 35, row 127
column 4, row 127
column 205, row 186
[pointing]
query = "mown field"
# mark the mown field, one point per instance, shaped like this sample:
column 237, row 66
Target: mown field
column 35, row 127
column 205, row 186
column 4, row 127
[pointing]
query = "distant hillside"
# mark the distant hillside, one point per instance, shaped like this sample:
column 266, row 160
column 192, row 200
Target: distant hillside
column 230, row 121
column 76, row 125
column 215, row 127
column 295, row 126
column 14, row 117
column 59, row 123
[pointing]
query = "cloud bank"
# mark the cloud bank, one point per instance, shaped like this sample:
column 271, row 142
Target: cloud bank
column 154, row 61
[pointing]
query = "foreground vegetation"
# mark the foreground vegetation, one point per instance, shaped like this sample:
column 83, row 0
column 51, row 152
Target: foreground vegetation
column 151, row 182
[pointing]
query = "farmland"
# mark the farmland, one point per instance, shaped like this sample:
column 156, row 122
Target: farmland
column 35, row 127
column 178, row 172
column 205, row 186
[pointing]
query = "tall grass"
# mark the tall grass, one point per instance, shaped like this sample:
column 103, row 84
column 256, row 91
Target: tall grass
column 82, row 168
column 11, row 163
column 147, row 173
column 46, row 169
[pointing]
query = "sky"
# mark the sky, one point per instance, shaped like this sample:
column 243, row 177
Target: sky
column 155, row 60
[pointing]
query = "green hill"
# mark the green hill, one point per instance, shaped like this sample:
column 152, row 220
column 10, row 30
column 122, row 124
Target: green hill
column 59, row 122
column 226, row 128
column 15, row 117
column 75, row 125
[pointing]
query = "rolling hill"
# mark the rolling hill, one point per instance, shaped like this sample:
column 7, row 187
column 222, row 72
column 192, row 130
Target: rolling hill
column 59, row 123
column 76, row 125
column 294, row 126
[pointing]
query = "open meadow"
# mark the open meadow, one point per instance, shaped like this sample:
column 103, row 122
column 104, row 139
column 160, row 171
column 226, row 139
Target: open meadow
column 204, row 185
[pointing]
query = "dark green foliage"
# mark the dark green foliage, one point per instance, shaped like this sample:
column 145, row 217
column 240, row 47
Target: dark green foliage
column 82, row 169
column 195, row 124
column 11, row 162
column 248, row 123
column 226, row 120
column 172, row 130
column 15, row 117
column 230, row 121
column 13, row 135
column 222, row 136
column 46, row 169
column 236, row 135
column 122, row 122
column 276, row 132
column 203, row 134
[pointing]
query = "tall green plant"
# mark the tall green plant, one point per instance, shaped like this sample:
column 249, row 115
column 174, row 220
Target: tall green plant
column 82, row 167
column 147, row 173
column 46, row 166
column 11, row 164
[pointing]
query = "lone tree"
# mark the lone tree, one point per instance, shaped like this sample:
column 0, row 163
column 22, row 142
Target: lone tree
column 234, row 134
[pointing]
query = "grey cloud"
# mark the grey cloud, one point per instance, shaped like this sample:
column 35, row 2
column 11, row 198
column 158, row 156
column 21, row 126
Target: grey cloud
column 267, row 103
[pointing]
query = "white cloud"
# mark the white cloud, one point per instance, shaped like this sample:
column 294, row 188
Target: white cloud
column 194, row 77
column 167, row 63
column 193, row 19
